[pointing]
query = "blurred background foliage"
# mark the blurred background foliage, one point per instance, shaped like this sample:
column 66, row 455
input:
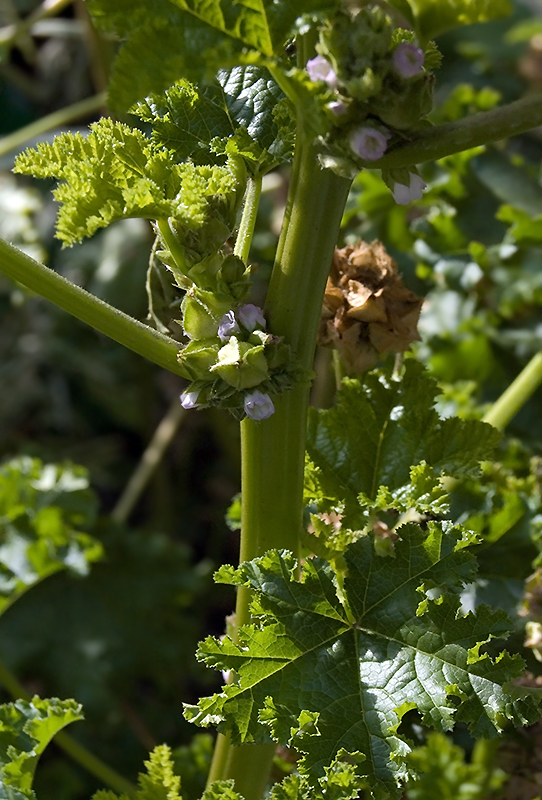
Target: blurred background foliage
column 121, row 639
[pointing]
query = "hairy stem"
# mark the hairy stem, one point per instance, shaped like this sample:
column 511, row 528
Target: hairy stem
column 114, row 323
column 478, row 129
column 517, row 394
column 19, row 138
column 79, row 753
column 248, row 218
column 273, row 449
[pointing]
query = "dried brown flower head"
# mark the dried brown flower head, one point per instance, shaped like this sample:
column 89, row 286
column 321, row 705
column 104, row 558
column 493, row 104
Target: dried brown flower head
column 367, row 312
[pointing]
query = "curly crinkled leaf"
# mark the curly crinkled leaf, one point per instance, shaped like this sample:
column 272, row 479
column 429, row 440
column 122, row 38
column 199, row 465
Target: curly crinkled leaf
column 433, row 17
column 26, row 728
column 42, row 510
column 377, row 432
column 158, row 783
column 116, row 173
column 238, row 114
column 329, row 675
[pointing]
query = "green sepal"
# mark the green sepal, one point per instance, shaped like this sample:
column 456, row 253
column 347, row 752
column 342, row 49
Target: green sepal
column 241, row 364
column 197, row 322
column 197, row 358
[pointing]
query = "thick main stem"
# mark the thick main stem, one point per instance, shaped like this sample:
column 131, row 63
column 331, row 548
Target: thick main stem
column 273, row 449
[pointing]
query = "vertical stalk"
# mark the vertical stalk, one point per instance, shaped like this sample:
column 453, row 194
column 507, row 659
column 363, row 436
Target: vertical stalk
column 273, row 449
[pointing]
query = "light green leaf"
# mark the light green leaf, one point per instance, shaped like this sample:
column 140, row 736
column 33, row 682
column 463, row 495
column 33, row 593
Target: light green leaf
column 116, row 173
column 329, row 675
column 158, row 783
column 42, row 511
column 26, row 728
column 377, row 432
column 433, row 17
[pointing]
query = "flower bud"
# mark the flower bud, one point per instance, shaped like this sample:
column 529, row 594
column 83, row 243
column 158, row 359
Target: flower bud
column 258, row 405
column 189, row 399
column 368, row 143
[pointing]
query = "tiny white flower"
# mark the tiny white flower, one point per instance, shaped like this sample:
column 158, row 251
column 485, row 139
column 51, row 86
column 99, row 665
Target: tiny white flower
column 403, row 194
column 368, row 143
column 320, row 69
column 408, row 59
column 189, row 399
column 250, row 317
column 228, row 326
column 258, row 405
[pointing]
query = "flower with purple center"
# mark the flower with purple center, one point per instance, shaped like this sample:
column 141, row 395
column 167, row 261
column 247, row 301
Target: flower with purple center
column 320, row 69
column 189, row 399
column 251, row 317
column 403, row 194
column 228, row 326
column 368, row 143
column 258, row 405
column 408, row 60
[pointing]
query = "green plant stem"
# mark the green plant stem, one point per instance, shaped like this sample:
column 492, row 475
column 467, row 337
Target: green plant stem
column 171, row 242
column 79, row 753
column 517, row 394
column 57, row 119
column 163, row 436
column 10, row 33
column 248, row 218
column 478, row 129
column 273, row 450
column 114, row 323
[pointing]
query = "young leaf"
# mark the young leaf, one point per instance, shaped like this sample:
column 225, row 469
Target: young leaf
column 377, row 432
column 329, row 675
column 116, row 173
column 42, row 509
column 26, row 730
column 158, row 783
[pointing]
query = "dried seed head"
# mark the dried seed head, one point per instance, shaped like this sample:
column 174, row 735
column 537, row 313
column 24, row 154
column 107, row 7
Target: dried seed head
column 367, row 312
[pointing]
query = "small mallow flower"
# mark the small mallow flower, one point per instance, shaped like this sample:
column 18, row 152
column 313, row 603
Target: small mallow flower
column 403, row 194
column 320, row 69
column 189, row 399
column 258, row 405
column 337, row 108
column 250, row 317
column 408, row 60
column 368, row 143
column 228, row 326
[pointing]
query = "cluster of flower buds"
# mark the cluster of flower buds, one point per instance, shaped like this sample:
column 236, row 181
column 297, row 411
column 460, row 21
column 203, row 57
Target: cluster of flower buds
column 379, row 85
column 237, row 365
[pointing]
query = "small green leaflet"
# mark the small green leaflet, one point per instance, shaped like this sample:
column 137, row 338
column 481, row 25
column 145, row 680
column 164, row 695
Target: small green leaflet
column 433, row 17
column 383, row 445
column 115, row 173
column 158, row 783
column 239, row 114
column 331, row 675
column 26, row 730
column 42, row 510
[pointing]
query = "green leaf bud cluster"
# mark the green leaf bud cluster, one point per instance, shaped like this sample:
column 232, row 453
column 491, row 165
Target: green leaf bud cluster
column 379, row 86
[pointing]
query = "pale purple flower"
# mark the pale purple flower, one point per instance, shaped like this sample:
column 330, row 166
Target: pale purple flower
column 228, row 326
column 408, row 60
column 368, row 143
column 189, row 399
column 403, row 194
column 258, row 405
column 320, row 69
column 250, row 317
column 337, row 107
